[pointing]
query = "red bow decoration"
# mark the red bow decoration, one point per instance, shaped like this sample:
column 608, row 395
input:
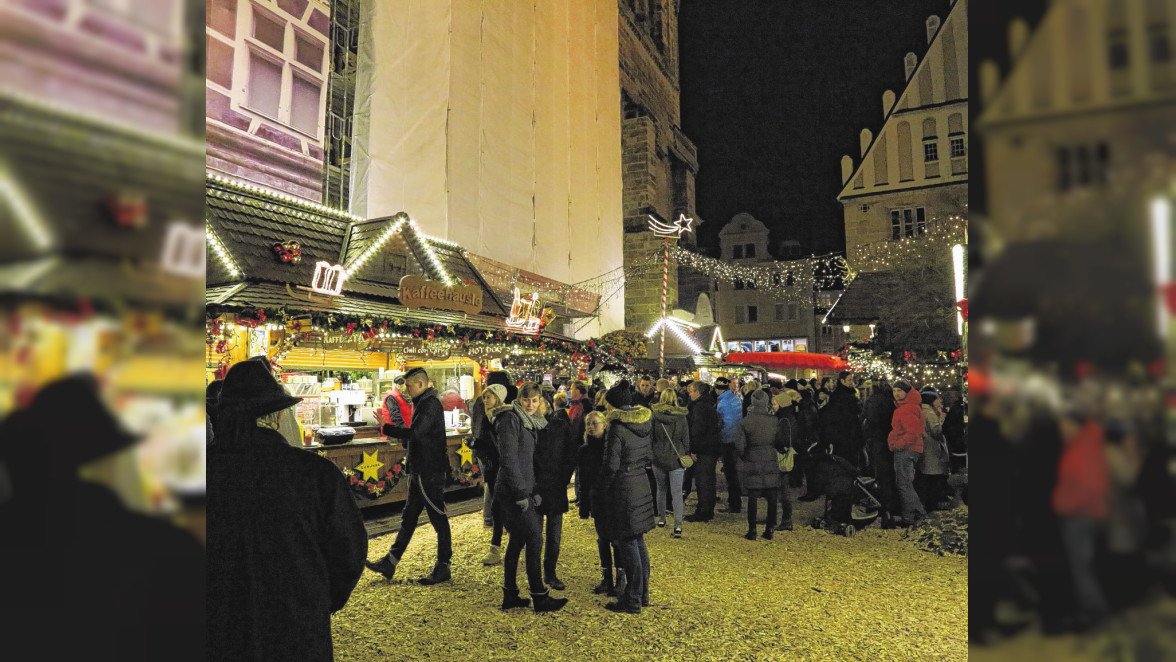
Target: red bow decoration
column 288, row 252
column 962, row 306
column 129, row 209
column 1169, row 291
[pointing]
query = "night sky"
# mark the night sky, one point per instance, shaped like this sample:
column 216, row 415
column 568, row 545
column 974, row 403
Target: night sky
column 775, row 92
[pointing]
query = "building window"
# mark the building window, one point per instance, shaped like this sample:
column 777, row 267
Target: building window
column 865, row 208
column 269, row 30
column 1158, row 44
column 930, row 152
column 219, row 62
column 1117, row 50
column 222, row 16
column 737, row 252
column 827, row 331
column 265, row 85
column 749, row 250
column 1064, row 169
column 786, row 312
column 308, row 51
column 1102, row 163
column 907, row 222
column 1082, row 158
column 746, row 314
column 304, row 105
column 739, row 283
column 957, row 148
column 752, row 314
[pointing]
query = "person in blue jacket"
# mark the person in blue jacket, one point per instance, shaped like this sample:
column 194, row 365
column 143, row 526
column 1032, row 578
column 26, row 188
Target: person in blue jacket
column 730, row 408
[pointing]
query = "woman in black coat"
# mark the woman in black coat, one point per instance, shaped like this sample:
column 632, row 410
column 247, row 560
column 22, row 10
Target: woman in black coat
column 516, row 428
column 590, row 456
column 555, row 460
column 623, row 495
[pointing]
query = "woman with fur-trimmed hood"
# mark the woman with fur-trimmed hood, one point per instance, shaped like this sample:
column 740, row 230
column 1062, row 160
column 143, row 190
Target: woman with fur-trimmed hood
column 671, row 440
column 623, row 494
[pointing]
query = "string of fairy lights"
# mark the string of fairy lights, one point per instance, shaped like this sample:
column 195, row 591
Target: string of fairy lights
column 793, row 280
column 933, row 244
column 922, row 375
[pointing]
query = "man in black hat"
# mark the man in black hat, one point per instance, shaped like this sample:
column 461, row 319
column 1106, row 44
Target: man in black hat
column 428, row 462
column 128, row 585
column 286, row 542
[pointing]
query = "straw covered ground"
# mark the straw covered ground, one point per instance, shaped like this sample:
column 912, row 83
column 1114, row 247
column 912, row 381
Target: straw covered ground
column 806, row 595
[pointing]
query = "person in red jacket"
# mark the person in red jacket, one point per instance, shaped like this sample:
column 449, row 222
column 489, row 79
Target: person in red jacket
column 397, row 410
column 1080, row 499
column 906, row 442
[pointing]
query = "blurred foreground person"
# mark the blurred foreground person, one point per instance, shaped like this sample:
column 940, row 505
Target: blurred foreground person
column 72, row 557
column 286, row 543
column 1080, row 501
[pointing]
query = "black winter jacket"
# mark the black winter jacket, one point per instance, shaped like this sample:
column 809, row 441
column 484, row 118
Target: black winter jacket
column 622, row 491
column 670, row 420
column 841, row 423
column 704, row 427
column 425, row 440
column 589, row 457
column 516, row 451
column 555, row 460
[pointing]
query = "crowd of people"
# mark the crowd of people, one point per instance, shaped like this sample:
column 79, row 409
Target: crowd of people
column 636, row 451
column 1076, row 505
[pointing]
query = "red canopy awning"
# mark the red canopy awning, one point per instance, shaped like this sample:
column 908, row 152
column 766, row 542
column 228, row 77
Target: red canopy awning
column 804, row 360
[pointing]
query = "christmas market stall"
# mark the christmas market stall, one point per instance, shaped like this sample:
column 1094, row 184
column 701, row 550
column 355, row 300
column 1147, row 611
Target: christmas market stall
column 341, row 306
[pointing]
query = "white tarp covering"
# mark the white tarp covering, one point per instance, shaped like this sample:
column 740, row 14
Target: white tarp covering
column 496, row 124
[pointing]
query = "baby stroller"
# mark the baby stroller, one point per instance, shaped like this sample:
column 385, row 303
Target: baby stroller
column 851, row 502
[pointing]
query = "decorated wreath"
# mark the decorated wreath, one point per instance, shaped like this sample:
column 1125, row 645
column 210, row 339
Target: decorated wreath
column 467, row 475
column 376, row 487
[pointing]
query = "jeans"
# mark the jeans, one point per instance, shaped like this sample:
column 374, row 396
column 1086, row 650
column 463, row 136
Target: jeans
column 704, row 475
column 659, row 498
column 552, row 537
column 1079, row 536
column 785, row 500
column 605, row 549
column 905, row 463
column 752, row 497
column 434, row 490
column 489, row 516
column 731, row 473
column 525, row 532
column 633, row 558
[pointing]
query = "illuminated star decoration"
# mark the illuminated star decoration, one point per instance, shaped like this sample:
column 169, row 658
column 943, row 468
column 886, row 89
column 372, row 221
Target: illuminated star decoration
column 675, row 326
column 672, row 230
column 370, row 466
column 465, row 453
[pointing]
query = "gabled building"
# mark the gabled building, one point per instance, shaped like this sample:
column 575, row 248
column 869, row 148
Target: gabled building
column 915, row 170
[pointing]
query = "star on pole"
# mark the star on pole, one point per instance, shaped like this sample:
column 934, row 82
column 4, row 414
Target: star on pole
column 670, row 230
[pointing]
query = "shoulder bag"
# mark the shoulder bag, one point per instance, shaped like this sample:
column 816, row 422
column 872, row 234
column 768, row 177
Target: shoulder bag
column 685, row 460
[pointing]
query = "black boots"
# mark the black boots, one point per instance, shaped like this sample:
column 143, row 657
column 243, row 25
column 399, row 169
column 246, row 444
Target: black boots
column 621, row 606
column 385, row 566
column 551, row 580
column 606, row 582
column 618, row 587
column 544, row 602
column 511, row 599
column 440, row 574
column 768, row 533
column 750, row 535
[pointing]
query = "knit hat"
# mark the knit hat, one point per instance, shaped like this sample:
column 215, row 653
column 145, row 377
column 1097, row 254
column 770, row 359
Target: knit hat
column 929, row 396
column 722, row 382
column 903, row 385
column 498, row 377
column 618, row 396
column 760, row 398
column 498, row 390
column 791, row 383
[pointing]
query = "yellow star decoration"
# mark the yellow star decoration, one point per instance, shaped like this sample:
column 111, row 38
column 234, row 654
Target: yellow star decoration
column 370, row 466
column 465, row 453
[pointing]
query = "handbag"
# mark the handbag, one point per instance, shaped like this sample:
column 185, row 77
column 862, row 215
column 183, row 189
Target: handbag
column 685, row 460
column 786, row 460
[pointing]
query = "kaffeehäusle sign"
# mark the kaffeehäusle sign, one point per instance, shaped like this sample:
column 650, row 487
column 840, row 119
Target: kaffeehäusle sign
column 416, row 292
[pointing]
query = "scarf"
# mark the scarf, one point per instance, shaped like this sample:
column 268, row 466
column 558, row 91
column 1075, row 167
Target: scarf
column 536, row 422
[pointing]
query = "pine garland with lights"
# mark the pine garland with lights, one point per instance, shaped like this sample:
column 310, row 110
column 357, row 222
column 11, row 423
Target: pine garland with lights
column 794, row 280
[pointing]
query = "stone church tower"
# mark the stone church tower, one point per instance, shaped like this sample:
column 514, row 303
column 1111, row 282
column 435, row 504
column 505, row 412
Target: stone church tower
column 659, row 162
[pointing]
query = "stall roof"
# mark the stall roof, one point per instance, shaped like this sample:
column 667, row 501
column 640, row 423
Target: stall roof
column 268, row 296
column 860, row 303
column 803, row 360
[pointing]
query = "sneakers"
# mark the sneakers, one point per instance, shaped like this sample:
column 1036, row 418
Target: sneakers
column 661, row 522
column 677, row 532
column 440, row 574
column 622, row 607
column 385, row 566
column 494, row 556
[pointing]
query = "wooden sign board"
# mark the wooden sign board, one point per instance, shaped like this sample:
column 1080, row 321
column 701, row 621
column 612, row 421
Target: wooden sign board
column 416, row 292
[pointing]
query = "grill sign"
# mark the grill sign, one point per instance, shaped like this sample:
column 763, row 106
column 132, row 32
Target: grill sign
column 416, row 292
